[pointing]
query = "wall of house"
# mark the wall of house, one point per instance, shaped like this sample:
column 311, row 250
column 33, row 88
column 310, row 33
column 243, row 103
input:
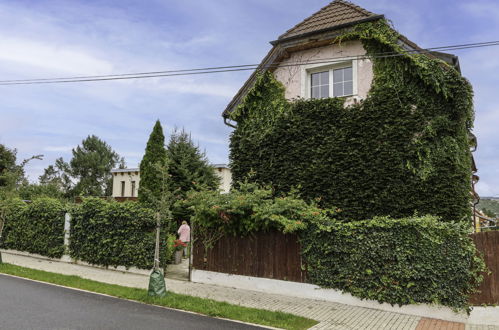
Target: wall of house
column 127, row 177
column 225, row 176
column 223, row 173
column 294, row 77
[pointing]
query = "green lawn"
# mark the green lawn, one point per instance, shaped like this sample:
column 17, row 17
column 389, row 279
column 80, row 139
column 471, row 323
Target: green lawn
column 204, row 306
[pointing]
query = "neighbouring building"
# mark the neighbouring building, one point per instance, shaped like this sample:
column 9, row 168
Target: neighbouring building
column 225, row 175
column 126, row 181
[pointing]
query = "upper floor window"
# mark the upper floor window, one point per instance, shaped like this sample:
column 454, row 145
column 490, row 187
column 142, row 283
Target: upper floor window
column 330, row 81
column 319, row 85
column 342, row 82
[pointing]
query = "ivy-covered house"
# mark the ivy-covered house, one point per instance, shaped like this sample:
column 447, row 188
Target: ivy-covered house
column 358, row 117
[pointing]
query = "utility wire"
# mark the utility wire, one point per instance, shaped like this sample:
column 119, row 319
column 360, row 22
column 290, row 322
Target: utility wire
column 234, row 68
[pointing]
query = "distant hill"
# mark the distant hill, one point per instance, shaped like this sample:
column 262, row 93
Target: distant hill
column 491, row 204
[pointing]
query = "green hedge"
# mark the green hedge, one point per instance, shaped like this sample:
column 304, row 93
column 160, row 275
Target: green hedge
column 418, row 259
column 37, row 227
column 398, row 261
column 114, row 234
column 404, row 149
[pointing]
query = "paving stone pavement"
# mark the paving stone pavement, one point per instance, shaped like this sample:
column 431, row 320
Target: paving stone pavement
column 330, row 315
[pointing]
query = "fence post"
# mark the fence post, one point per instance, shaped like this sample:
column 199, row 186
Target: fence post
column 67, row 229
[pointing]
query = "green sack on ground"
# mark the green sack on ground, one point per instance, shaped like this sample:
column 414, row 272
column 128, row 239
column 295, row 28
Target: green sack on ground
column 157, row 287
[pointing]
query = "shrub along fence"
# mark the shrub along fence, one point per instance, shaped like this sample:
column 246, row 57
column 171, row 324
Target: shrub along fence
column 114, row 234
column 418, row 259
column 276, row 255
column 36, row 227
column 102, row 233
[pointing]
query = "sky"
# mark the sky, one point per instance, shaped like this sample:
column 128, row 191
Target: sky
column 45, row 39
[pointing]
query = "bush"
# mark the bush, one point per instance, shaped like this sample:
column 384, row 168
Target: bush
column 37, row 227
column 245, row 210
column 114, row 234
column 398, row 261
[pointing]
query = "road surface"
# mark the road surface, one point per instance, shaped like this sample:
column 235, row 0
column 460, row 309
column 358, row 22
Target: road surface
column 26, row 304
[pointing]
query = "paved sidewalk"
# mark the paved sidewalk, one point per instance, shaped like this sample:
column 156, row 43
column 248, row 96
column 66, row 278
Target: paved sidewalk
column 330, row 315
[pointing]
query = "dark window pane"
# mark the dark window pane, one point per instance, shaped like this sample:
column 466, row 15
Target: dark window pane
column 316, row 79
column 315, row 92
column 338, row 89
column 348, row 88
column 337, row 75
column 325, row 91
column 325, row 78
column 347, row 73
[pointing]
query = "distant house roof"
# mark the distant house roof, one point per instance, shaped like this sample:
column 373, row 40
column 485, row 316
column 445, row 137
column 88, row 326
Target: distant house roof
column 124, row 170
column 220, row 165
column 336, row 14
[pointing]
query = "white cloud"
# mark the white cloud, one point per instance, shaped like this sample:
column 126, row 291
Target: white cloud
column 60, row 58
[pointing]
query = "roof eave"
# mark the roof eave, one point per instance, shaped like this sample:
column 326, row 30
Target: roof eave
column 336, row 27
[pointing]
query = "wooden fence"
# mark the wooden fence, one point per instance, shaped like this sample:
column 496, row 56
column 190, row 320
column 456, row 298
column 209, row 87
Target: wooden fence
column 266, row 254
column 277, row 256
column 488, row 244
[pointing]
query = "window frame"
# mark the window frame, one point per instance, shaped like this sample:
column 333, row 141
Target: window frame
column 123, row 186
column 308, row 70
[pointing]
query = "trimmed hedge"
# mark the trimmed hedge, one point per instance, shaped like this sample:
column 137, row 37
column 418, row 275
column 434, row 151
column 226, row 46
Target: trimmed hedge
column 114, row 234
column 37, row 227
column 397, row 261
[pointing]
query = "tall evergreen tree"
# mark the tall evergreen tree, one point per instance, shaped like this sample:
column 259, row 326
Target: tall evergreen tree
column 189, row 169
column 188, row 166
column 155, row 159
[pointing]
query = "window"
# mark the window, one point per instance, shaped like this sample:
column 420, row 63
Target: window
column 319, row 82
column 122, row 188
column 330, row 81
column 342, row 81
column 133, row 188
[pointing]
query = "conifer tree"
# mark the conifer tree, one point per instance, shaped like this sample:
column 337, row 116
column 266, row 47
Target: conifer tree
column 155, row 158
column 188, row 169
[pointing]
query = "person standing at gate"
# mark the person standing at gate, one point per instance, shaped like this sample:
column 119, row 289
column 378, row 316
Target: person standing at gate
column 184, row 233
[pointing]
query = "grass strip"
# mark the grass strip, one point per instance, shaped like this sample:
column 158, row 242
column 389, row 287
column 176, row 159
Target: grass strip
column 188, row 303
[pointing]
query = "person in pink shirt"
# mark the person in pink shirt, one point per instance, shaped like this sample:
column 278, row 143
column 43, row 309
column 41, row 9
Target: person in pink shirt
column 184, row 233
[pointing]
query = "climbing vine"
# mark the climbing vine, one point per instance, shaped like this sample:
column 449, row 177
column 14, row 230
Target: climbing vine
column 403, row 149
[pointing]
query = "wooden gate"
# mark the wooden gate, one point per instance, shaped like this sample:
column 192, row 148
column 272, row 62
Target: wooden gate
column 488, row 244
column 265, row 254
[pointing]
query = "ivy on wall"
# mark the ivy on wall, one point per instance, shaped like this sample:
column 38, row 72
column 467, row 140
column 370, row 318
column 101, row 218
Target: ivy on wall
column 404, row 149
column 37, row 227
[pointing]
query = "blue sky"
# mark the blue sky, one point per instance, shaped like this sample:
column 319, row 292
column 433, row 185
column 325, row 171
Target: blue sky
column 63, row 38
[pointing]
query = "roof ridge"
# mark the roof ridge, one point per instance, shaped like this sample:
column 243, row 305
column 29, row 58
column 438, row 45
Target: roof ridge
column 332, row 7
column 308, row 18
column 356, row 7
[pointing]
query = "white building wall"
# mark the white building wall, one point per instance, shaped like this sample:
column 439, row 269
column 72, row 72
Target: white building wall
column 294, row 77
column 133, row 174
column 127, row 176
column 225, row 176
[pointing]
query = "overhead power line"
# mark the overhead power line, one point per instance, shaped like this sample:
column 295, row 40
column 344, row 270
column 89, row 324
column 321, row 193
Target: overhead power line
column 235, row 68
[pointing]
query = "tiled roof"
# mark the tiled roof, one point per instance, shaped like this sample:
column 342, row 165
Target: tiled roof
column 337, row 13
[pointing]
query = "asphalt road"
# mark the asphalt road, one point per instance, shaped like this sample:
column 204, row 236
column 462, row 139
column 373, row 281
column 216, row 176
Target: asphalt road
column 26, row 304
